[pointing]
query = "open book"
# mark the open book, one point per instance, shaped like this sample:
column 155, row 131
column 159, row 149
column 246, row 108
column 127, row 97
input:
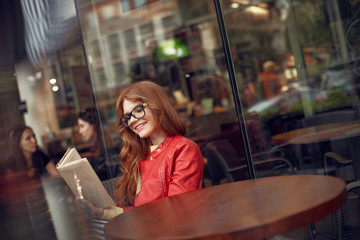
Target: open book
column 82, row 179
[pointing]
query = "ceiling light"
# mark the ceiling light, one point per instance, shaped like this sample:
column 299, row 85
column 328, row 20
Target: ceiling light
column 31, row 78
column 55, row 88
column 38, row 75
column 52, row 81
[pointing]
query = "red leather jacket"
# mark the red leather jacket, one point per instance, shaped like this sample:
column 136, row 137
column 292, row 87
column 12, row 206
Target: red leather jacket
column 177, row 166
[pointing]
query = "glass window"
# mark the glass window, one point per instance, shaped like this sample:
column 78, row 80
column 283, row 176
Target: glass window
column 286, row 103
column 119, row 70
column 139, row 3
column 169, row 21
column 108, row 12
column 296, row 83
column 90, row 18
column 146, row 30
column 130, row 40
column 114, row 45
column 101, row 77
column 96, row 49
column 125, row 6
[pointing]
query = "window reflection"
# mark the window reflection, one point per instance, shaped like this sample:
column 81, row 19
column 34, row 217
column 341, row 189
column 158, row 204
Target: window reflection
column 293, row 60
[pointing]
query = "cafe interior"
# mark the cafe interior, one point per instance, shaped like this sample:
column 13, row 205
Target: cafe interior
column 265, row 87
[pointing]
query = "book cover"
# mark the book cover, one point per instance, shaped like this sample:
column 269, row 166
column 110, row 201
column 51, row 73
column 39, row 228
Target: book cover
column 82, row 179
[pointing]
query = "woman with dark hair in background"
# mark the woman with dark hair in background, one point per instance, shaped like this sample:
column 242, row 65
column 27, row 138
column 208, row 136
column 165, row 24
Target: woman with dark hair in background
column 27, row 213
column 89, row 130
column 26, row 156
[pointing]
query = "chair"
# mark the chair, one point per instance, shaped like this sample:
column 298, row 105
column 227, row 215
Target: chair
column 353, row 146
column 344, row 152
column 97, row 225
column 342, row 231
column 353, row 140
column 338, row 160
column 259, row 145
column 337, row 157
column 330, row 117
column 109, row 184
column 39, row 213
column 223, row 156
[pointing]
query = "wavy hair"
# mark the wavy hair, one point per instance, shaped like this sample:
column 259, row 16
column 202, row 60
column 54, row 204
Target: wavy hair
column 91, row 116
column 15, row 138
column 135, row 148
column 16, row 151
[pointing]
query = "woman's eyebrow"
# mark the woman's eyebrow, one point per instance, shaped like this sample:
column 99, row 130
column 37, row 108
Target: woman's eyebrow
column 126, row 113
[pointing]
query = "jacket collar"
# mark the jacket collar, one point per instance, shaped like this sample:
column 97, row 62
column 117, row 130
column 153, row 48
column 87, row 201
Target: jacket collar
column 161, row 146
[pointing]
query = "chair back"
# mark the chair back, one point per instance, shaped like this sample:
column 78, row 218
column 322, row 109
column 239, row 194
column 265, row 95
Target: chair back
column 233, row 137
column 109, row 185
column 337, row 145
column 224, row 161
column 353, row 140
column 330, row 117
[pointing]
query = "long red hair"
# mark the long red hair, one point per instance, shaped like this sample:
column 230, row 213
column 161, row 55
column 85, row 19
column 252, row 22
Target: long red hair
column 135, row 148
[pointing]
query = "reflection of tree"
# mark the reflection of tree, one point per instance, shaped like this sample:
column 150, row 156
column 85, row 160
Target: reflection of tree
column 352, row 33
column 311, row 23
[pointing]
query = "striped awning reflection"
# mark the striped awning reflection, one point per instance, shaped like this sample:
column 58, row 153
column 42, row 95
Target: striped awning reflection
column 49, row 26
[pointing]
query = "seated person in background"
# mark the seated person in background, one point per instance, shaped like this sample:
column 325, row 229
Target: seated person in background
column 269, row 80
column 21, row 182
column 157, row 160
column 89, row 130
column 26, row 155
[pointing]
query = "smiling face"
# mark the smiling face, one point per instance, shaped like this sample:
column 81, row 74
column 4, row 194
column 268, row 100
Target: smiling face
column 86, row 130
column 146, row 126
column 28, row 141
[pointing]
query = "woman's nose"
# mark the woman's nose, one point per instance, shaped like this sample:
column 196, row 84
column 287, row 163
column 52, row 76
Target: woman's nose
column 131, row 120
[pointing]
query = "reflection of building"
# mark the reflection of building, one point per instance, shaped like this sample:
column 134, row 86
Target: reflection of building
column 129, row 35
column 178, row 44
column 128, row 41
column 127, row 31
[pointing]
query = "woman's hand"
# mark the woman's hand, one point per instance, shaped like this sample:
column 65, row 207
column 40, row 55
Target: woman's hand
column 95, row 212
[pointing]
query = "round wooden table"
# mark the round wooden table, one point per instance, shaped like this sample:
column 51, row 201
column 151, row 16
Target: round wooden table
column 251, row 209
column 315, row 134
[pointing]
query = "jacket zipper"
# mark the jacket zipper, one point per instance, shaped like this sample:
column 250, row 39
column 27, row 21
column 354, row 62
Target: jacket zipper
column 161, row 184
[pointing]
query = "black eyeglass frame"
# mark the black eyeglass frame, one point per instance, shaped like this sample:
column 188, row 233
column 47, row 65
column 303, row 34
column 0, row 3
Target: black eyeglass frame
column 129, row 115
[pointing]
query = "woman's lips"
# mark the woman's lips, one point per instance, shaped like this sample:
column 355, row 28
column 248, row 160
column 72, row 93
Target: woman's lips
column 140, row 126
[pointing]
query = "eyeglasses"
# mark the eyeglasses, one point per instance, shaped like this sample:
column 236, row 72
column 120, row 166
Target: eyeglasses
column 138, row 113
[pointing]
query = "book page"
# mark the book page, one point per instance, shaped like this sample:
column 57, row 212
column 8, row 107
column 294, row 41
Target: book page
column 71, row 154
column 68, row 164
column 84, row 182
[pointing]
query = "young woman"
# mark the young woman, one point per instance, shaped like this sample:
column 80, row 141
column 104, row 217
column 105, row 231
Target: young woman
column 90, row 131
column 26, row 156
column 26, row 198
column 157, row 160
